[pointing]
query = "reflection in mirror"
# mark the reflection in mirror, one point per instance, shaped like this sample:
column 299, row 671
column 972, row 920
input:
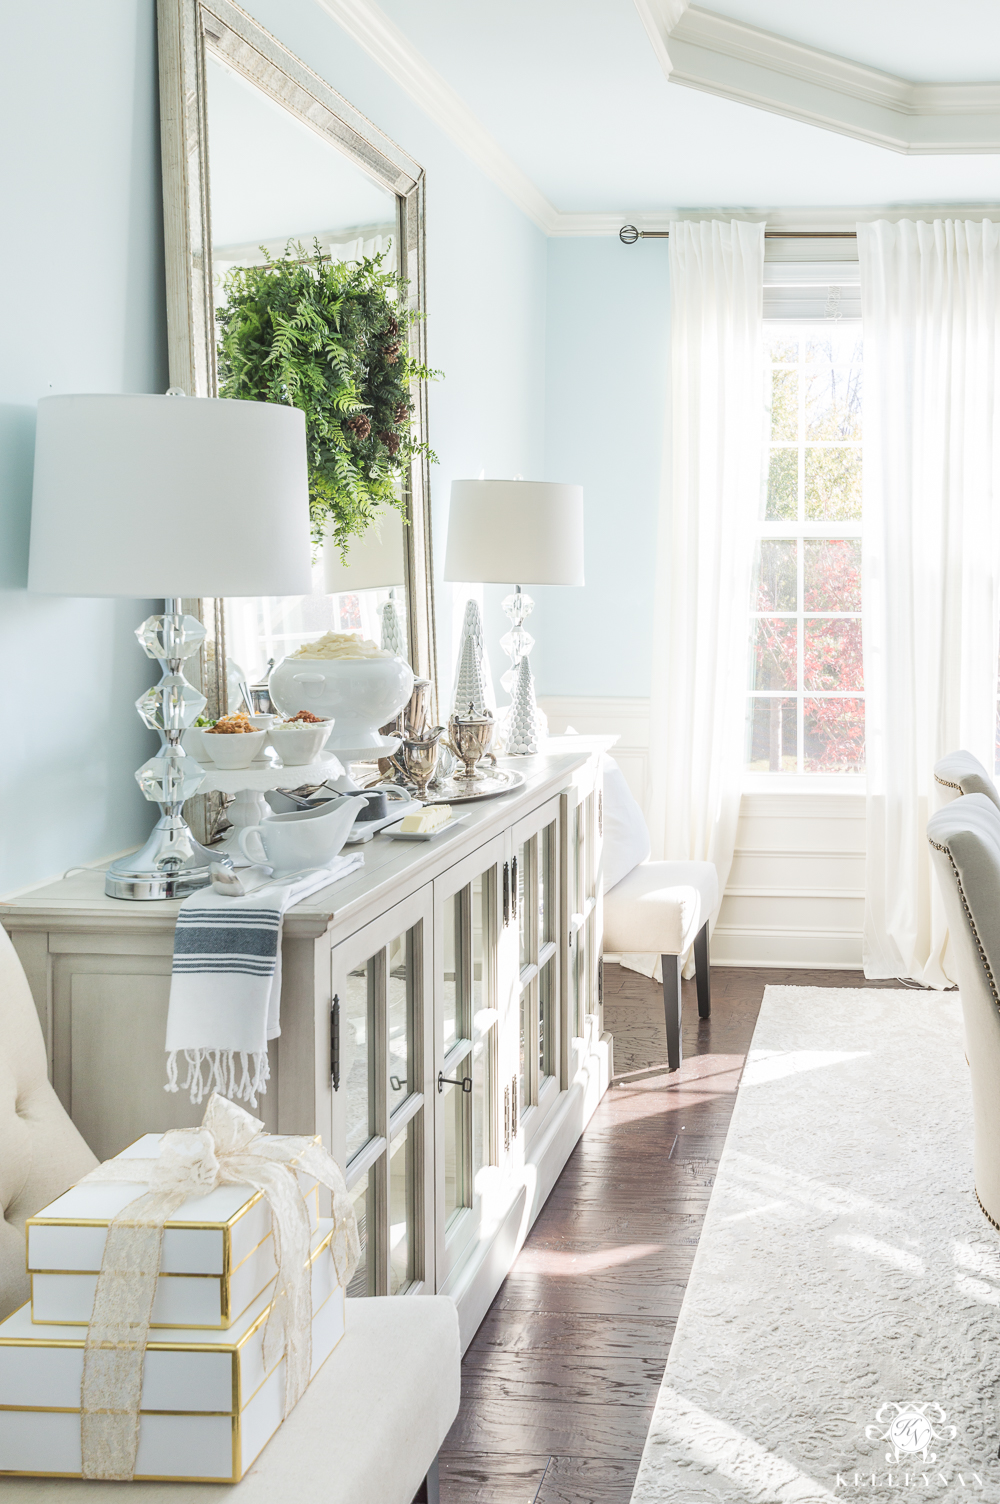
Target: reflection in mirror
column 275, row 180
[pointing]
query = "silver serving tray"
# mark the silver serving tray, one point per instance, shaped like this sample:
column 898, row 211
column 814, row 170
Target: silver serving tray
column 487, row 786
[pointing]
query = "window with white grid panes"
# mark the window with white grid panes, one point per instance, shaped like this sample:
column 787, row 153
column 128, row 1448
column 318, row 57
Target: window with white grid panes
column 466, row 1046
column 380, row 1130
column 805, row 706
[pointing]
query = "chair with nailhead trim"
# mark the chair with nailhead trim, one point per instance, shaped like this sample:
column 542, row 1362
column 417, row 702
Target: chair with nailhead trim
column 965, row 847
column 41, row 1152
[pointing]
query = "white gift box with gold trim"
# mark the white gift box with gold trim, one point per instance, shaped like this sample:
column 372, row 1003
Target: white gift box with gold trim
column 218, row 1253
column 208, row 1406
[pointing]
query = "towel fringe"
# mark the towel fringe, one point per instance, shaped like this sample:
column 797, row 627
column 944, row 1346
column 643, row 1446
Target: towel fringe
column 215, row 1070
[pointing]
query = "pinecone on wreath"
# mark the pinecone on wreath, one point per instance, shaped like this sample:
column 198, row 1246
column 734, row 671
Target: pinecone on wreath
column 390, row 440
column 359, row 425
column 402, row 412
column 391, row 353
column 392, row 327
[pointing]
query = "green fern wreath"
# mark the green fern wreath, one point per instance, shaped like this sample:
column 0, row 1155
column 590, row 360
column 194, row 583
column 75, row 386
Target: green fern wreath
column 332, row 338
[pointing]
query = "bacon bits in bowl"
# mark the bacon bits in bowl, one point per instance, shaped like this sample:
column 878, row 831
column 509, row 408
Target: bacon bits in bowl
column 301, row 738
column 233, row 741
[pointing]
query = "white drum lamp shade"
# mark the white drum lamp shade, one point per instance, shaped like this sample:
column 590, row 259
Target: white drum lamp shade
column 374, row 562
column 528, row 532
column 169, row 496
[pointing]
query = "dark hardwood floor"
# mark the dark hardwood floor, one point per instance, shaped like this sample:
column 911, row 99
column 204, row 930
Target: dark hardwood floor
column 559, row 1383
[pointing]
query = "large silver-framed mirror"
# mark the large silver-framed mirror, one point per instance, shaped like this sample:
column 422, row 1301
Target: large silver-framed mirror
column 258, row 151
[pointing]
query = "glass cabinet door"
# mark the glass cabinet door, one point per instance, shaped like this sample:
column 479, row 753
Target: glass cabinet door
column 583, row 817
column 466, row 935
column 535, row 897
column 380, row 1063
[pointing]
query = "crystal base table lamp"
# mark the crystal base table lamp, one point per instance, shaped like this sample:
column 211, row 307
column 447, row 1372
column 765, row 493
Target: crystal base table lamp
column 168, row 497
column 500, row 531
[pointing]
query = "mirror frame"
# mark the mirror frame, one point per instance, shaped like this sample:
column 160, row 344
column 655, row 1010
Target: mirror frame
column 189, row 32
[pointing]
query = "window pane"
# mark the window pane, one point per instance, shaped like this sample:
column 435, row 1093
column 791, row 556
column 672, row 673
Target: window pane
column 833, row 402
column 832, row 653
column 402, row 1158
column 363, row 1279
column 522, row 1056
column 782, row 350
column 773, row 657
column 782, row 485
column 772, row 744
column 401, row 984
column 835, row 347
column 480, row 941
column 784, row 405
column 481, row 1099
column 834, row 735
column 776, row 584
column 357, row 1066
column 522, row 912
column 454, row 1103
column 546, row 979
column 833, row 484
column 546, row 884
column 452, row 968
column 832, row 574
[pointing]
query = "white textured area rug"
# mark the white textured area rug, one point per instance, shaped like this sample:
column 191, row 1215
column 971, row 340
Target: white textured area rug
column 840, row 1334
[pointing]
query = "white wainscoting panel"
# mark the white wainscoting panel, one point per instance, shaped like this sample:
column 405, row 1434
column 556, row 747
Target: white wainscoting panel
column 795, row 895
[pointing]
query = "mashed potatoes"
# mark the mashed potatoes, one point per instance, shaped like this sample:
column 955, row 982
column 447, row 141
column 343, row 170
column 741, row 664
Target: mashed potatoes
column 341, row 645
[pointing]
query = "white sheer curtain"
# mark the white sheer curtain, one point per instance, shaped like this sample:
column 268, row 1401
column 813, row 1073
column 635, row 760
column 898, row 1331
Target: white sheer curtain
column 711, row 493
column 931, row 307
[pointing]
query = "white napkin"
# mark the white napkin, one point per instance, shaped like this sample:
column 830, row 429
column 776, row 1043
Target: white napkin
column 225, row 990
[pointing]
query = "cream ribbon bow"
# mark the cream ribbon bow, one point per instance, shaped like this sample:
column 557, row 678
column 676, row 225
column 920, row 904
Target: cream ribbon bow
column 230, row 1148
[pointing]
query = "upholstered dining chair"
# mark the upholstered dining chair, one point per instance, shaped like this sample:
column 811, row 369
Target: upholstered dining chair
column 965, row 774
column 41, row 1152
column 965, row 845
column 655, row 908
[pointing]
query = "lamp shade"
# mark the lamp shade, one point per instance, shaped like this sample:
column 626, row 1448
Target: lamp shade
column 374, row 562
column 169, row 496
column 524, row 532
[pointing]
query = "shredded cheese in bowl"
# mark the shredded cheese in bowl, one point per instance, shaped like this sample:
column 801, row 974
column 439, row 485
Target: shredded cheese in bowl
column 341, row 645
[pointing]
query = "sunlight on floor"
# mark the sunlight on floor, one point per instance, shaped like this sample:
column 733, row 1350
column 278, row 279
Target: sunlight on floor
column 773, row 1065
column 563, row 1263
column 884, row 1252
column 710, row 1442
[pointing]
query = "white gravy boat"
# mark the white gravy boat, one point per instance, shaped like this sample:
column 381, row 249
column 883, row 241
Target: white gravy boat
column 303, row 838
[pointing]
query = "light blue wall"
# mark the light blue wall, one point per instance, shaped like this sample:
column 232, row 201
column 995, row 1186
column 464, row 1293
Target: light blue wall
column 81, row 273
column 486, row 272
column 607, row 359
column 83, row 310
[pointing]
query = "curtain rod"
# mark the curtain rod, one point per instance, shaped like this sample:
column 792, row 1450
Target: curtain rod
column 628, row 234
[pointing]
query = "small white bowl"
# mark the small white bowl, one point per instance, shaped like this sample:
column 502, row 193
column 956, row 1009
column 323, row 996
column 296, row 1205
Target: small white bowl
column 194, row 744
column 301, row 744
column 236, row 749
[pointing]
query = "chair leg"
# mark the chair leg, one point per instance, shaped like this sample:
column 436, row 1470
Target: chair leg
column 429, row 1491
column 703, row 973
column 672, row 1008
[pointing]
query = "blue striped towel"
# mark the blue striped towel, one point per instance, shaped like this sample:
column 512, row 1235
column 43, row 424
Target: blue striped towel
column 225, row 990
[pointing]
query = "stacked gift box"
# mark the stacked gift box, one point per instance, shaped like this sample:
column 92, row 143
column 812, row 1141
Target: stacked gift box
column 209, row 1406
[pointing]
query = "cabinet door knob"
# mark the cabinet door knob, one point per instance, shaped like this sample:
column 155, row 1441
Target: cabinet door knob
column 506, row 894
column 465, row 1082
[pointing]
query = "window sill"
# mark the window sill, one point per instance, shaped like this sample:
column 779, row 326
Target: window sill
column 804, row 783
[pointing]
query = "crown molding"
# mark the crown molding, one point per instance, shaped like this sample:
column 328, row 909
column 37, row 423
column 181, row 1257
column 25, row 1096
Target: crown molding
column 372, row 29
column 718, row 55
column 387, row 45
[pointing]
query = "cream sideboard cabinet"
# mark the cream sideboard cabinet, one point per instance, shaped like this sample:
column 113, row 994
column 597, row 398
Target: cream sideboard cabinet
column 441, row 1024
